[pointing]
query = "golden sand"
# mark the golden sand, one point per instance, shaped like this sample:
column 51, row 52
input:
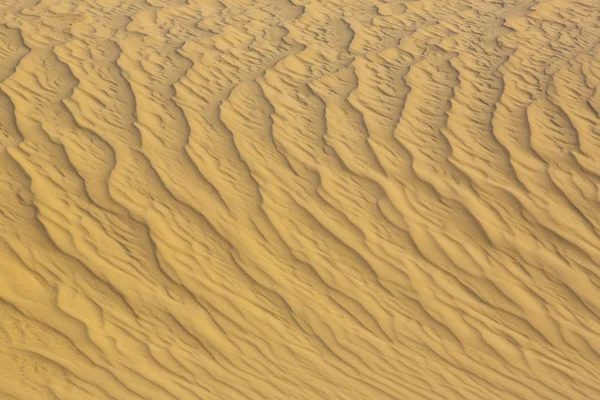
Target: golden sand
column 299, row 199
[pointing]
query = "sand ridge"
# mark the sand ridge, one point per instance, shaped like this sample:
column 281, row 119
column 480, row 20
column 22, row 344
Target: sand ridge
column 299, row 199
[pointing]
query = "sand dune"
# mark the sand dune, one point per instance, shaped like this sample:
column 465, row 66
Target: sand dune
column 299, row 199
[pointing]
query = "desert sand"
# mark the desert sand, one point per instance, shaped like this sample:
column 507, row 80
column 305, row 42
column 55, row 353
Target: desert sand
column 299, row 199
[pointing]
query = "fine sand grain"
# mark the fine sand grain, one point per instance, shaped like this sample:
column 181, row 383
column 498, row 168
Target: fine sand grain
column 299, row 199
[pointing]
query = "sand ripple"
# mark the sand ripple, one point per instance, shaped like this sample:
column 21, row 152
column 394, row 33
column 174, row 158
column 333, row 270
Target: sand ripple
column 299, row 199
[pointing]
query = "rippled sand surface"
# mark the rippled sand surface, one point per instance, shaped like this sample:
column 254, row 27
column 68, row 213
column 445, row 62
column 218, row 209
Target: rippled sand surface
column 299, row 199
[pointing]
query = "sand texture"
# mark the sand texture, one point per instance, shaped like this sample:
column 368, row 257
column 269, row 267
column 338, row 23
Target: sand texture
column 299, row 199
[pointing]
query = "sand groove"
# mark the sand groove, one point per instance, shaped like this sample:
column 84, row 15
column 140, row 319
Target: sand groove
column 299, row 199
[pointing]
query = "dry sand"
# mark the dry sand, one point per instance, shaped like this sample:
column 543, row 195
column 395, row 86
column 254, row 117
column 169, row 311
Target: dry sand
column 299, row 199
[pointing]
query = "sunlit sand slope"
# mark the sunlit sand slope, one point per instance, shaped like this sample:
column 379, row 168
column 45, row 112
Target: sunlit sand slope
column 299, row 199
